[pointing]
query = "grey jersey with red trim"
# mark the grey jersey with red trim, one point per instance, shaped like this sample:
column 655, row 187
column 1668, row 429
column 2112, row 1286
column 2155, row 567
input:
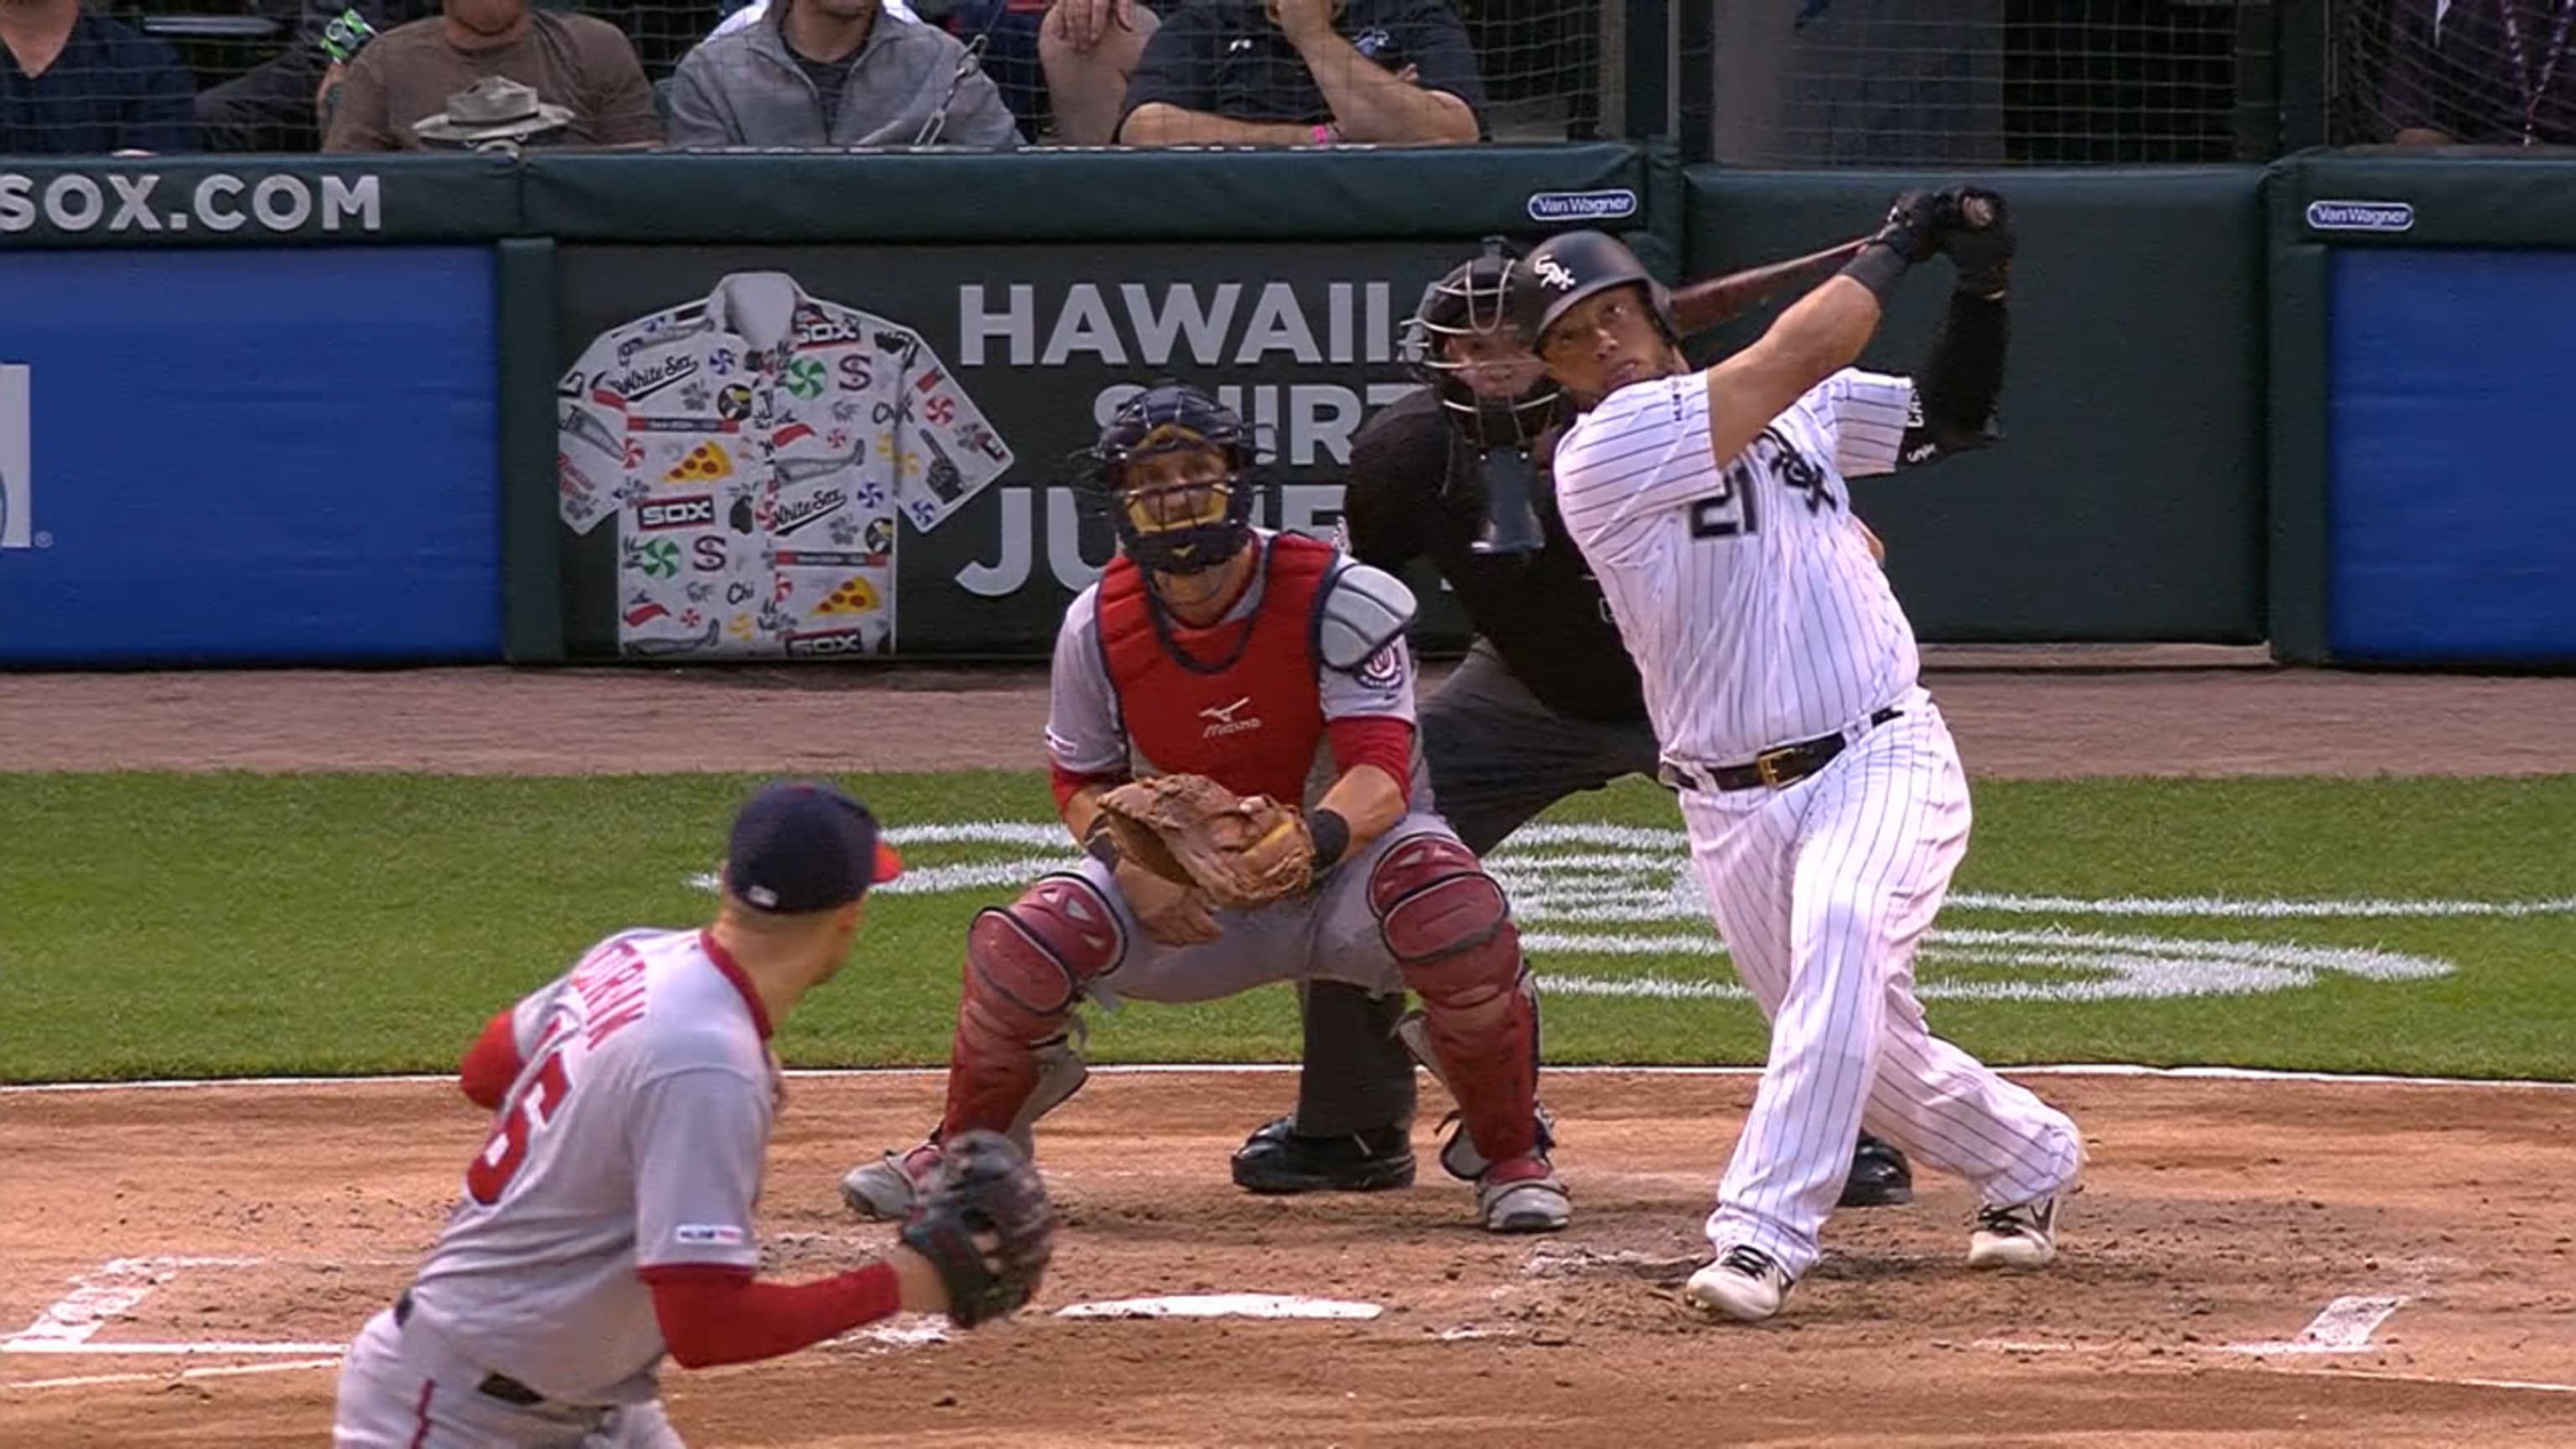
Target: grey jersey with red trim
column 633, row 1138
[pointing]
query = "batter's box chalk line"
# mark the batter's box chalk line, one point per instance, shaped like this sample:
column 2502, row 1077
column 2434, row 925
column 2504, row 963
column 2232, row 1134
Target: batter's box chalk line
column 2342, row 1326
column 110, row 1293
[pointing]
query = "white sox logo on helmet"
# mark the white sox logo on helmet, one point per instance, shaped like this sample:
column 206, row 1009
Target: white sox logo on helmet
column 1554, row 273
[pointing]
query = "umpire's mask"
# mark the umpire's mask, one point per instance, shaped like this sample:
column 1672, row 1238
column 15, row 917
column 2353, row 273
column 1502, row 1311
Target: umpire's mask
column 1494, row 391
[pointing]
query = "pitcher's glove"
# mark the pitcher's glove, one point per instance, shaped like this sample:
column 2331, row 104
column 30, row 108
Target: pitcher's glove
column 1244, row 851
column 984, row 1189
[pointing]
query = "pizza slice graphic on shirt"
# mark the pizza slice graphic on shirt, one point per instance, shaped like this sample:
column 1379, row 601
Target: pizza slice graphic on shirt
column 854, row 596
column 708, row 462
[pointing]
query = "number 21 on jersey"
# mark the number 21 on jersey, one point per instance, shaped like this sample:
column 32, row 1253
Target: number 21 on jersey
column 540, row 1094
column 1728, row 511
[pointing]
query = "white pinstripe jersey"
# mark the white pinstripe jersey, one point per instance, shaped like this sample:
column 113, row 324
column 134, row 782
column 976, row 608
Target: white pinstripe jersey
column 1747, row 597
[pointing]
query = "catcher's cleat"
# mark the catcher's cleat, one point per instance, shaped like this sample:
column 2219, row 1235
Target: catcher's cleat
column 885, row 1190
column 1280, row 1159
column 1523, row 1195
column 1880, row 1176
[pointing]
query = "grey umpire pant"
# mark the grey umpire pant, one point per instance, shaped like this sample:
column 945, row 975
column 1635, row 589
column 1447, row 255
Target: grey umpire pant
column 1498, row 758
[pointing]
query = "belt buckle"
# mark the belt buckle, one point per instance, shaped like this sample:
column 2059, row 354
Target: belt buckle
column 1769, row 764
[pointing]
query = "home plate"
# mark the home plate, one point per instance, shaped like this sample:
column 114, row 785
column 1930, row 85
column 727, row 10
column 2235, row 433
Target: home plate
column 1222, row 1305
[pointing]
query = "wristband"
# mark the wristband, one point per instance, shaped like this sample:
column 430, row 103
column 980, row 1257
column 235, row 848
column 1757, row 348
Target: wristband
column 1099, row 844
column 1325, row 134
column 1331, row 834
column 1877, row 267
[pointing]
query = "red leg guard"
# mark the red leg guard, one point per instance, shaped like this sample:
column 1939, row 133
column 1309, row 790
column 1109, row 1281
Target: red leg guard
column 1026, row 964
column 1450, row 930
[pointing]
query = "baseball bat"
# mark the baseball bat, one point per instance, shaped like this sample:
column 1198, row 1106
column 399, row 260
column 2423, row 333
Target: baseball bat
column 1705, row 304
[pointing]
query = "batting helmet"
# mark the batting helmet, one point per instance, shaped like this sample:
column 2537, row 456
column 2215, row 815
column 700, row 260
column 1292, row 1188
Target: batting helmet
column 1571, row 266
column 1172, row 417
column 1475, row 299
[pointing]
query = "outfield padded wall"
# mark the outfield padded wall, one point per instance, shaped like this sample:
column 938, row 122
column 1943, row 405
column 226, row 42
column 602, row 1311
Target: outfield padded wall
column 2421, row 482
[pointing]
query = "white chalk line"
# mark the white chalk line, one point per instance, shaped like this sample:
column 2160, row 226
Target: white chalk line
column 104, row 1294
column 166, row 1350
column 2343, row 1326
column 83, row 1381
column 2062, row 1069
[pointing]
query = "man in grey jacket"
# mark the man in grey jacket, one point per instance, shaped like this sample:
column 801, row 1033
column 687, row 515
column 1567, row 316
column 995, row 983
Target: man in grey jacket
column 831, row 73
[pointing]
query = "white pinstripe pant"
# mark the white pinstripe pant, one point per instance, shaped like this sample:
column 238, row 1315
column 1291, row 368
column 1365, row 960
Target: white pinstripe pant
column 1821, row 892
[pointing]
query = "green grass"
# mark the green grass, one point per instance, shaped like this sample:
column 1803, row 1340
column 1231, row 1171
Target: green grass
column 229, row 924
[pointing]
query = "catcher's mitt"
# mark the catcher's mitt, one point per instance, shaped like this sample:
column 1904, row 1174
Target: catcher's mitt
column 1245, row 851
column 984, row 1188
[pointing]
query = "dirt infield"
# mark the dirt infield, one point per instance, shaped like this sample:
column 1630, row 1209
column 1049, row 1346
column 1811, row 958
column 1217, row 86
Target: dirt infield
column 2218, row 1216
column 2412, row 1232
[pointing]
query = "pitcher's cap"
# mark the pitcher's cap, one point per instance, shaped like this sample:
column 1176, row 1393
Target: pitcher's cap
column 804, row 845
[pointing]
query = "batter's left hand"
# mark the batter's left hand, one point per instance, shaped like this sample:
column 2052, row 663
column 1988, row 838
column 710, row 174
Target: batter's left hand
column 1979, row 239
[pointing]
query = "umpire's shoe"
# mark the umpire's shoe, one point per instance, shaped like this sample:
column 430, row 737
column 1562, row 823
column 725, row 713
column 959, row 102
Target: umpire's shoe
column 1280, row 1159
column 1880, row 1176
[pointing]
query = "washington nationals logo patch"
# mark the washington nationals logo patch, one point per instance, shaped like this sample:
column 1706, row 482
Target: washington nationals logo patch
column 1385, row 668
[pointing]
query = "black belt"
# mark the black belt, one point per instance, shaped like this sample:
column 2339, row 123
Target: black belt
column 494, row 1386
column 1777, row 768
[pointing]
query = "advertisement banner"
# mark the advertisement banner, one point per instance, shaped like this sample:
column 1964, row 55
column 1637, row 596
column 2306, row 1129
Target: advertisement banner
column 232, row 201
column 249, row 456
column 829, row 452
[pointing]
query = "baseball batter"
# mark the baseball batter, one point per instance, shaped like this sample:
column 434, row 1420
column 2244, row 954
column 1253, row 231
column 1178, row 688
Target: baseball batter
column 1547, row 703
column 1824, row 798
column 1277, row 667
column 607, row 1220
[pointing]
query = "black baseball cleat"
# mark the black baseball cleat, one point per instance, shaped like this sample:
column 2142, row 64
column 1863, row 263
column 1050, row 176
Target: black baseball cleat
column 1280, row 1159
column 1880, row 1176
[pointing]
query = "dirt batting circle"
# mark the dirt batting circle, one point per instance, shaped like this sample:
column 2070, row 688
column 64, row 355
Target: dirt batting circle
column 2254, row 1262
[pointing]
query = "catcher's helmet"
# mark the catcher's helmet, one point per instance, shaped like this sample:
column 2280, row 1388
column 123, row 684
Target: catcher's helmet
column 1172, row 417
column 1571, row 266
column 1475, row 299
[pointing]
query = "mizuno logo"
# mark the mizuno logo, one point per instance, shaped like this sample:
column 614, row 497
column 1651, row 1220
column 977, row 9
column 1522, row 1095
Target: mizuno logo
column 1225, row 721
column 1224, row 713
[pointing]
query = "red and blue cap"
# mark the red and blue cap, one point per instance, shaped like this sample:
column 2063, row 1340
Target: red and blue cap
column 804, row 845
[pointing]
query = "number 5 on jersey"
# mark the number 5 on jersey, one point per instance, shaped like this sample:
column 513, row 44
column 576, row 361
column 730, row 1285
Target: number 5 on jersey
column 529, row 1109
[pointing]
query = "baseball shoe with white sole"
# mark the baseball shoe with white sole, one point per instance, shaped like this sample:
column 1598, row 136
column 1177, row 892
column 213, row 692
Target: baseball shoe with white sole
column 1745, row 1284
column 1523, row 1195
column 2022, row 1236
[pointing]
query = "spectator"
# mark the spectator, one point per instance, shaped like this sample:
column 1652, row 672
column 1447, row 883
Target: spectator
column 1090, row 50
column 73, row 83
column 817, row 73
column 2488, row 73
column 280, row 104
column 1062, row 67
column 1306, row 72
column 583, row 64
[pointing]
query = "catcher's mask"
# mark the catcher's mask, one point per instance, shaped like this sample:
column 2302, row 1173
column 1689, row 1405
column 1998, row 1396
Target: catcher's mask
column 1496, row 394
column 1172, row 463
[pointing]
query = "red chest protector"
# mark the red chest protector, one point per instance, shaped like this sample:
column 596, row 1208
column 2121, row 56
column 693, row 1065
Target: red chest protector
column 1246, row 713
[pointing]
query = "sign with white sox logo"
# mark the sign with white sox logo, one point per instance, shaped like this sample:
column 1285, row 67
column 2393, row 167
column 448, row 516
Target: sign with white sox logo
column 17, row 459
column 904, row 418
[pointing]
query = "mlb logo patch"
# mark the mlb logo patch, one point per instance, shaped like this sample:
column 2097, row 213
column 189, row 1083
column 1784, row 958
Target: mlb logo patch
column 708, row 1235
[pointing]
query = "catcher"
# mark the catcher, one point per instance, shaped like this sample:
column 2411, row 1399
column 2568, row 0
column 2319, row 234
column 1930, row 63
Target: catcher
column 1231, row 734
column 608, row 1219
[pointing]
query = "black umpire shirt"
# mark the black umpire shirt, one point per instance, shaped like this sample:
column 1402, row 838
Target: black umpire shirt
column 1226, row 58
column 1417, row 490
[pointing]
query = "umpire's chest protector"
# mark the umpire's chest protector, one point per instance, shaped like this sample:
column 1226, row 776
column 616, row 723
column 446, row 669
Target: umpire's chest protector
column 1239, row 705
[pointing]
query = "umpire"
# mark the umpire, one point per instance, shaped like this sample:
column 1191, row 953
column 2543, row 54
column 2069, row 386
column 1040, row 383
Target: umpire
column 1546, row 704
